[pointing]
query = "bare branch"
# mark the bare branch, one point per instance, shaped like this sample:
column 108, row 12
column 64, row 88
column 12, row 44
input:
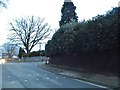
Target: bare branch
column 3, row 3
column 10, row 49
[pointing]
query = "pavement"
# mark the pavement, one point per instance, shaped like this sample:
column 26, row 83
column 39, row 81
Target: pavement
column 38, row 75
column 97, row 79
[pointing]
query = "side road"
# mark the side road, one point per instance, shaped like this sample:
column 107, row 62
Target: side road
column 107, row 81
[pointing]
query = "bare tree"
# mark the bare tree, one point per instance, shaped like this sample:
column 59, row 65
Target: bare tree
column 29, row 31
column 3, row 3
column 10, row 49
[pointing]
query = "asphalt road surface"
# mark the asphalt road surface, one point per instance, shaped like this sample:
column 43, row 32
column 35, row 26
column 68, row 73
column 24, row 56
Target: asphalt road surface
column 29, row 75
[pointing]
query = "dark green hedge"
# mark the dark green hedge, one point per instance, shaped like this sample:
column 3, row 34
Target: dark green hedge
column 100, row 33
column 34, row 53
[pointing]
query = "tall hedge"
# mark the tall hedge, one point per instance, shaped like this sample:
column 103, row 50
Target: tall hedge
column 99, row 34
column 34, row 53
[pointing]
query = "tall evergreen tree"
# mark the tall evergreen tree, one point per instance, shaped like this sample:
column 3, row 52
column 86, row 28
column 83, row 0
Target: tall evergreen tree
column 21, row 52
column 68, row 13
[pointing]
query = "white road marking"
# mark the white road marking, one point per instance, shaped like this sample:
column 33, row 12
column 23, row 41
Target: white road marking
column 13, row 82
column 37, row 79
column 9, row 76
column 30, row 75
column 25, row 80
column 37, row 74
column 47, row 78
column 56, row 77
column 91, row 84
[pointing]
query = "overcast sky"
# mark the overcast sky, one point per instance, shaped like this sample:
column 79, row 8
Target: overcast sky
column 51, row 11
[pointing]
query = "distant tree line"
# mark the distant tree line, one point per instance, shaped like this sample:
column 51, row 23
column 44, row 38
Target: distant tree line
column 100, row 34
column 31, row 54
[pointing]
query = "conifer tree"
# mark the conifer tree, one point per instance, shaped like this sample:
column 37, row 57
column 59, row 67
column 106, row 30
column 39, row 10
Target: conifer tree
column 21, row 52
column 68, row 13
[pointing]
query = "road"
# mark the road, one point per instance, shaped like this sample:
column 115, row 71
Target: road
column 29, row 75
